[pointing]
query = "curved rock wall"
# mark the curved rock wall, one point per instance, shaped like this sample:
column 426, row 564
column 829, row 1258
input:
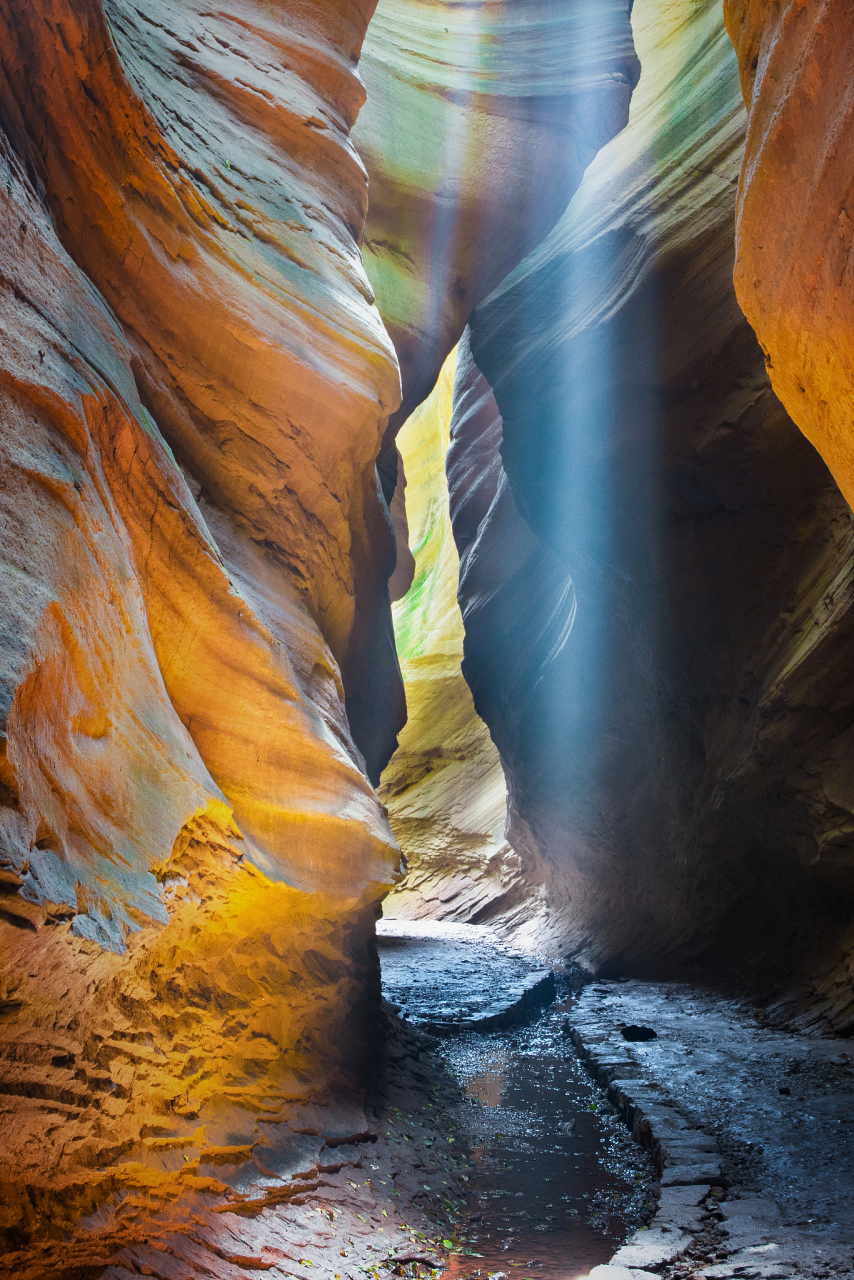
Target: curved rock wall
column 517, row 603
column 479, row 122
column 444, row 786
column 657, row 577
column 200, row 172
column 194, row 384
column 197, row 669
column 794, row 270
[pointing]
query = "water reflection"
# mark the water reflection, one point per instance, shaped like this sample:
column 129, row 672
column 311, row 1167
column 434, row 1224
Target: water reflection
column 488, row 1089
column 558, row 1183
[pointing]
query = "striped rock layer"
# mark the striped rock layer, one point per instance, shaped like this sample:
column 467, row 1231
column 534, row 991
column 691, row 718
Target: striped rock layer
column 656, row 568
column 195, row 382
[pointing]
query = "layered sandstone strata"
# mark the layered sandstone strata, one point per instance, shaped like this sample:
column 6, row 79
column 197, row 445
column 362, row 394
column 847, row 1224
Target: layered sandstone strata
column 794, row 270
column 444, row 787
column 479, row 122
column 656, row 582
column 199, row 170
column 195, row 382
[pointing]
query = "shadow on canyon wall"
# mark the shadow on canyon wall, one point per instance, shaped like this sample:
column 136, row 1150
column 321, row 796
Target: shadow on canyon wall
column 655, row 572
column 201, row 383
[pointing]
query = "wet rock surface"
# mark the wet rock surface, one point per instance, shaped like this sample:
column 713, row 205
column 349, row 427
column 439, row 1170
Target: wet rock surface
column 456, row 977
column 750, row 1123
column 556, row 1182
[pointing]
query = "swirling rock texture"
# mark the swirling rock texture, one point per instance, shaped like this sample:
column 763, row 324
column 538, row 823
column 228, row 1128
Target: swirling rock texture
column 793, row 271
column 199, row 680
column 656, row 583
column 479, row 122
column 194, row 383
column 444, row 787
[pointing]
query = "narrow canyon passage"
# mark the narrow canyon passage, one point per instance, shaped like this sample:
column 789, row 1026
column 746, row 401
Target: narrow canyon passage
column 426, row 559
column 591, row 1154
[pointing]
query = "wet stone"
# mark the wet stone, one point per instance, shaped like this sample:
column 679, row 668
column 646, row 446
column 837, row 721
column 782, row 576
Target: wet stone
column 556, row 1183
column 780, row 1165
column 450, row 977
column 686, row 1175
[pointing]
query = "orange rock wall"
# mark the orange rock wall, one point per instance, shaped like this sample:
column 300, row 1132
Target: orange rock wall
column 194, row 384
column 199, row 171
column 794, row 271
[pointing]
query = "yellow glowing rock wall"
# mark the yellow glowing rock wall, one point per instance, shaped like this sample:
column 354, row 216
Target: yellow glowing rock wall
column 194, row 384
column 444, row 787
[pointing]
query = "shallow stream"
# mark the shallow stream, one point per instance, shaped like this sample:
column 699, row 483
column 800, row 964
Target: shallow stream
column 557, row 1182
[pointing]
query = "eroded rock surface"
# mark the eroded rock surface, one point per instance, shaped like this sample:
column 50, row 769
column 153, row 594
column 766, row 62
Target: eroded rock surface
column 194, row 384
column 794, row 270
column 444, row 786
column 656, row 575
column 351, row 1206
column 234, row 202
column 479, row 123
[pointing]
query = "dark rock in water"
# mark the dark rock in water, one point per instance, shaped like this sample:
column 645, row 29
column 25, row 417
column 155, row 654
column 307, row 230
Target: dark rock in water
column 633, row 1032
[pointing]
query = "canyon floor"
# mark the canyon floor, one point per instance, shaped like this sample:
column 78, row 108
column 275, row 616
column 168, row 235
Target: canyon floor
column 720, row 1146
column 555, row 1129
column 754, row 1124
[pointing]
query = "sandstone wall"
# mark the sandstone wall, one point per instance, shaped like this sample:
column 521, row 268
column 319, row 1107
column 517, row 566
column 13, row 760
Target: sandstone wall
column 656, row 584
column 444, row 786
column 479, row 122
column 795, row 213
column 195, row 382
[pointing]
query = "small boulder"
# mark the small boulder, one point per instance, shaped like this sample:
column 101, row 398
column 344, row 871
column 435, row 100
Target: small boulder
column 634, row 1032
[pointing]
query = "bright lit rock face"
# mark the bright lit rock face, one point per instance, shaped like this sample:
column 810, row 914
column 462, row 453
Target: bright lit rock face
column 479, row 122
column 794, row 270
column 656, row 578
column 207, row 160
column 198, row 680
column 194, row 385
column 481, row 117
column 444, row 787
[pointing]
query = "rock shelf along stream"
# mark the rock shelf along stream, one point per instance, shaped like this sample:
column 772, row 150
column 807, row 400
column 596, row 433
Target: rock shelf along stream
column 556, row 1183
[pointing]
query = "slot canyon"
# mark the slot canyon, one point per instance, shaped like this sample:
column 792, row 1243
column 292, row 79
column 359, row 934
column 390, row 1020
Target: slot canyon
column 427, row 743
